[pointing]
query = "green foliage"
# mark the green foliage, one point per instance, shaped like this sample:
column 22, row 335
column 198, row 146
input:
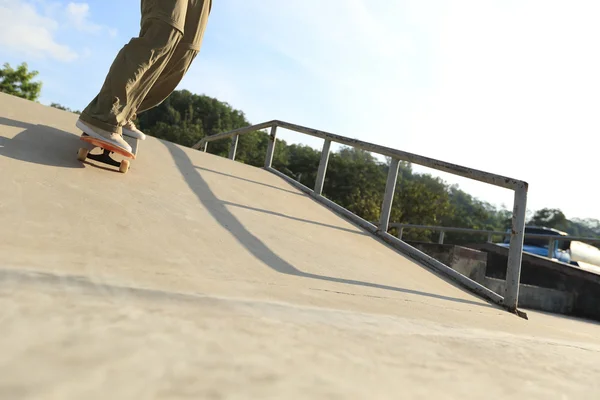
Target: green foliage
column 304, row 162
column 551, row 218
column 420, row 199
column 19, row 82
column 355, row 179
column 588, row 227
column 555, row 218
column 469, row 212
column 185, row 118
column 61, row 107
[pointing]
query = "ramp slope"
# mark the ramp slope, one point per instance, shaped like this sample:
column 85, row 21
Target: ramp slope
column 196, row 276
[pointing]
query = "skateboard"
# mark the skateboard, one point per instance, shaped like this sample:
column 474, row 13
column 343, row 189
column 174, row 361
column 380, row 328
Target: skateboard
column 107, row 150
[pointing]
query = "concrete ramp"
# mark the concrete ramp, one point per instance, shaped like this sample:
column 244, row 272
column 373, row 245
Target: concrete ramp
column 193, row 276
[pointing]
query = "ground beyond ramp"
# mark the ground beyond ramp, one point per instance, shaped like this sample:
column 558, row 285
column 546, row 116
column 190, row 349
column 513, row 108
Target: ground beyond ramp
column 194, row 276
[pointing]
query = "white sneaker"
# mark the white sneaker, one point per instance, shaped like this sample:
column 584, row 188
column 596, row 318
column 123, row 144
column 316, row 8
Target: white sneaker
column 129, row 129
column 110, row 137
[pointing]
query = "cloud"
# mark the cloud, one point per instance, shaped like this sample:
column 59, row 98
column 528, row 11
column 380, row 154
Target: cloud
column 78, row 15
column 23, row 29
column 32, row 28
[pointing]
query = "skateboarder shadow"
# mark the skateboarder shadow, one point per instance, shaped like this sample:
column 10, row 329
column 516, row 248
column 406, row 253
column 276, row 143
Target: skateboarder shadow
column 40, row 144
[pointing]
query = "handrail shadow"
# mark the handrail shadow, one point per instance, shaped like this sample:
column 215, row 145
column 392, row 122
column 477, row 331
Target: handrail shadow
column 248, row 180
column 307, row 221
column 254, row 245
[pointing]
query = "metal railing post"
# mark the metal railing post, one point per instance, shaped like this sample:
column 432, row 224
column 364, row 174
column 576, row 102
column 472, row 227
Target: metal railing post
column 515, row 252
column 400, row 233
column 441, row 239
column 388, row 198
column 322, row 167
column 205, row 147
column 233, row 147
column 551, row 244
column 490, row 237
column 271, row 147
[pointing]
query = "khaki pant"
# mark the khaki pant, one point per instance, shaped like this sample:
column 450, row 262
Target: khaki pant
column 149, row 67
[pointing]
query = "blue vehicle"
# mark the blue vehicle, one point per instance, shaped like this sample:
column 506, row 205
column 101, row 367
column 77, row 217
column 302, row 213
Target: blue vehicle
column 539, row 246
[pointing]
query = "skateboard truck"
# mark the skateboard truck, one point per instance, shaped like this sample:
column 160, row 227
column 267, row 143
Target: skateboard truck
column 104, row 158
column 107, row 150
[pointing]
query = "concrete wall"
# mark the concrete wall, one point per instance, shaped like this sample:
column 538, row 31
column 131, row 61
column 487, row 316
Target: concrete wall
column 545, row 273
column 469, row 262
column 545, row 285
column 537, row 298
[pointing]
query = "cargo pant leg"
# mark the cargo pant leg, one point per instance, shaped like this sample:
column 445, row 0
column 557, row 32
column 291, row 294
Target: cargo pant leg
column 196, row 21
column 133, row 73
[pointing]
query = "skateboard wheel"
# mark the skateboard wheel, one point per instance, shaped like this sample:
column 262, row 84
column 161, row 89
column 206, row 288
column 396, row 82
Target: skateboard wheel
column 82, row 154
column 124, row 167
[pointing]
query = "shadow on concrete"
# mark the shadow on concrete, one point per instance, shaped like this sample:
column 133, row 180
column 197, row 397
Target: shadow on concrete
column 41, row 144
column 254, row 245
column 15, row 279
column 564, row 317
column 307, row 221
column 249, row 180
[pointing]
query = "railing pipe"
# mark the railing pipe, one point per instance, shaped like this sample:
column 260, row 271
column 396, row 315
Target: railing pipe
column 271, row 147
column 322, row 167
column 388, row 197
column 233, row 147
column 482, row 176
column 515, row 251
column 551, row 245
column 520, row 187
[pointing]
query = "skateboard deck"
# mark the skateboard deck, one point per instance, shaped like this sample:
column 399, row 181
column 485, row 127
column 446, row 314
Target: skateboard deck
column 107, row 150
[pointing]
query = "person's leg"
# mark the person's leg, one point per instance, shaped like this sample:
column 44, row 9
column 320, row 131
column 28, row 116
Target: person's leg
column 135, row 69
column 128, row 79
column 188, row 48
column 162, row 88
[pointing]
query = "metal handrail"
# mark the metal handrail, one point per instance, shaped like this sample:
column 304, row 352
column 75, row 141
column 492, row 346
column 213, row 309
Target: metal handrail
column 520, row 188
column 552, row 239
column 471, row 173
column 496, row 233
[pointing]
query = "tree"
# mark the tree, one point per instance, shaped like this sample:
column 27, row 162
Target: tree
column 61, row 107
column 585, row 227
column 550, row 218
column 19, row 82
column 185, row 118
column 355, row 179
column 420, row 199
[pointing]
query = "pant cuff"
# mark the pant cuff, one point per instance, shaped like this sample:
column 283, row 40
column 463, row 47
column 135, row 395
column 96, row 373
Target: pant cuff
column 100, row 124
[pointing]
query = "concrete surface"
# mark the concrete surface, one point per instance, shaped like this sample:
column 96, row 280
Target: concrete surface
column 193, row 276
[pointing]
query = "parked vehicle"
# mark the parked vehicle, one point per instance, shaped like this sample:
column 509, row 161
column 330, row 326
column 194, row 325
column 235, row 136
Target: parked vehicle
column 539, row 246
column 585, row 256
column 572, row 252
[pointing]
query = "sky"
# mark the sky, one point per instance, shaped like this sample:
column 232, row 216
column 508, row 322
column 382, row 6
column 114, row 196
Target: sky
column 510, row 87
